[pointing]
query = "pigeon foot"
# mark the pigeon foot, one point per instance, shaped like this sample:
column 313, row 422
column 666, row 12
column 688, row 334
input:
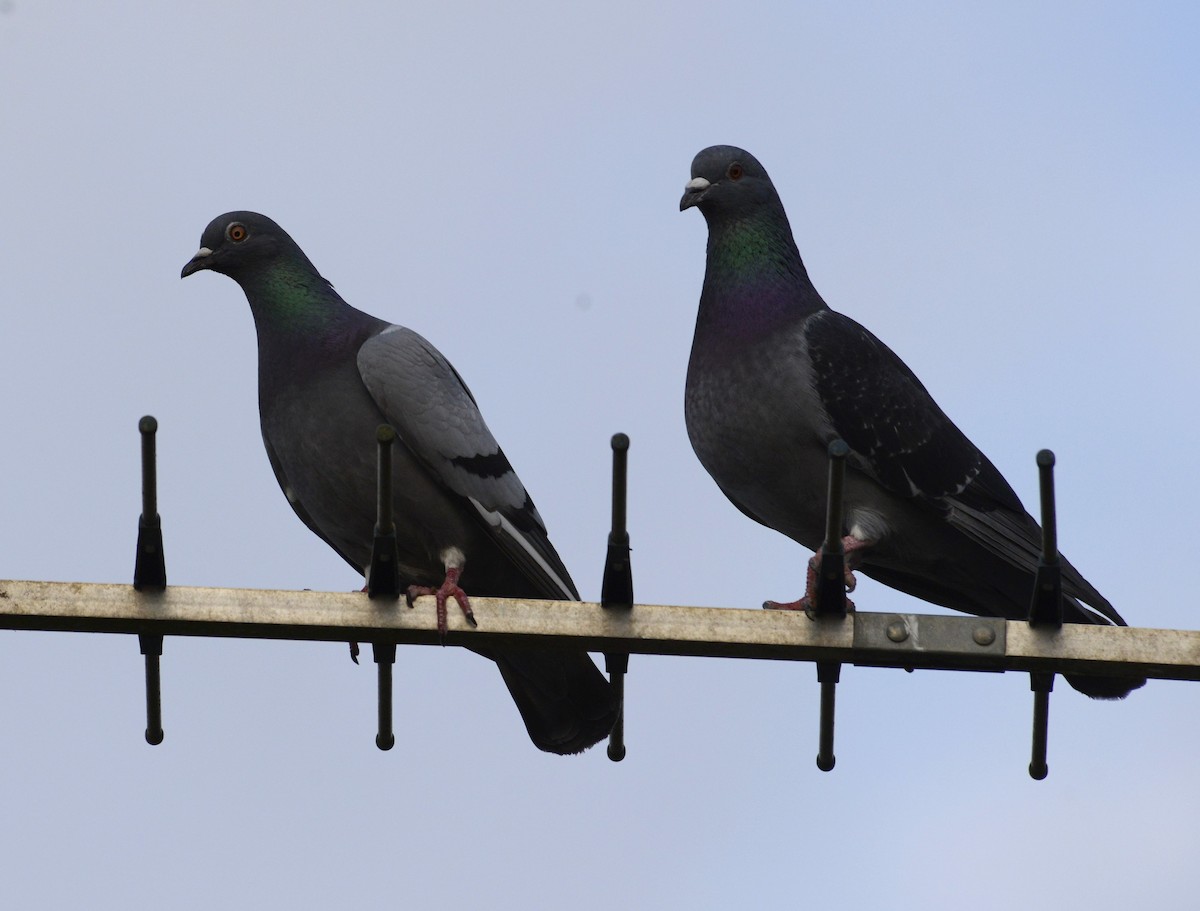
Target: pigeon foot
column 808, row 604
column 448, row 589
column 851, row 549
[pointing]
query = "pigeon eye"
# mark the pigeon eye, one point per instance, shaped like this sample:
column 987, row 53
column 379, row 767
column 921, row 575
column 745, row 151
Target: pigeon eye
column 236, row 232
column 735, row 171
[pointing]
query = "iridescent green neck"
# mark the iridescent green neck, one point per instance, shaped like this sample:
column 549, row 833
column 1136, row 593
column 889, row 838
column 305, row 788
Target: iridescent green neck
column 290, row 296
column 755, row 279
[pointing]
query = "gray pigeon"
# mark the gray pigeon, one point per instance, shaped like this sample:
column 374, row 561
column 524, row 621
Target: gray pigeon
column 329, row 375
column 775, row 376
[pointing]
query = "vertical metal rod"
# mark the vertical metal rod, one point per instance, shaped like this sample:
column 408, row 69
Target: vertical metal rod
column 1045, row 610
column 151, row 647
column 1041, row 684
column 616, row 589
column 831, row 575
column 828, row 674
column 831, row 596
column 149, row 568
column 383, row 578
column 1046, row 607
column 620, row 450
column 385, row 435
column 148, row 427
column 616, row 737
column 1045, row 462
column 838, row 450
column 150, row 574
column 385, row 657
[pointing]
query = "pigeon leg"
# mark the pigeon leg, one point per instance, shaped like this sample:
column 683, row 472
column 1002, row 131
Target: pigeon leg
column 448, row 589
column 852, row 548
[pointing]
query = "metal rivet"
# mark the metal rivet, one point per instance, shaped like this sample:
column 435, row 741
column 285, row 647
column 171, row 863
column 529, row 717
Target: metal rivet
column 984, row 635
column 897, row 631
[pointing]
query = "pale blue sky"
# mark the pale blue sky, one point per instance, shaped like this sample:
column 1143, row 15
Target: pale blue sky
column 1005, row 193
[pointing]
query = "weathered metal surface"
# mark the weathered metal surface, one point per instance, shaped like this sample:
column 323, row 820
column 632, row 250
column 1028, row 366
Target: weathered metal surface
column 893, row 640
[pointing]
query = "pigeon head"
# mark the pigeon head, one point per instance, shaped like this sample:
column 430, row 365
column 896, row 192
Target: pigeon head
column 727, row 182
column 237, row 241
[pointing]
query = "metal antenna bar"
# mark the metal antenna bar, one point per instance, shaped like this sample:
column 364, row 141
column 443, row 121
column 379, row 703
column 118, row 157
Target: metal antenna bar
column 1045, row 463
column 620, row 450
column 149, row 568
column 1041, row 684
column 150, row 575
column 151, row 647
column 616, row 737
column 385, row 657
column 616, row 589
column 383, row 579
column 1045, row 611
column 828, row 674
column 383, row 576
column 148, row 427
column 868, row 638
column 831, row 597
column 831, row 574
column 1046, row 607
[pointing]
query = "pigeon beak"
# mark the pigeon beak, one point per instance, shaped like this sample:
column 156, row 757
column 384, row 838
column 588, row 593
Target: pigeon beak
column 693, row 192
column 202, row 260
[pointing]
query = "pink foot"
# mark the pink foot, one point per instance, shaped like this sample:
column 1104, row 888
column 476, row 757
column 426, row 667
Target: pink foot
column 852, row 548
column 448, row 589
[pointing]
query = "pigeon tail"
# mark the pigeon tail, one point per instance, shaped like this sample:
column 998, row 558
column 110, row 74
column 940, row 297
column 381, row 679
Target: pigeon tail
column 566, row 703
column 1099, row 687
column 1105, row 687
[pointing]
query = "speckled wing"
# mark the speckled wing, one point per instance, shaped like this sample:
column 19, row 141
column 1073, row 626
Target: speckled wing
column 897, row 431
column 436, row 417
column 899, row 436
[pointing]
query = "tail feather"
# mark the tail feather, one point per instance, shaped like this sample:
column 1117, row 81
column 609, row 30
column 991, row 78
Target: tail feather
column 1098, row 687
column 566, row 703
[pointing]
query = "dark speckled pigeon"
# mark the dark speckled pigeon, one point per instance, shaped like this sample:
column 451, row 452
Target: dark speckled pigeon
column 775, row 376
column 328, row 376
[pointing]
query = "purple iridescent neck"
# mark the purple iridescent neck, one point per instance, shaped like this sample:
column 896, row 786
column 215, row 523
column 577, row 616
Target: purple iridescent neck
column 754, row 281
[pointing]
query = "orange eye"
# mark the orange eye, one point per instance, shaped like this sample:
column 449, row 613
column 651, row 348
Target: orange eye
column 735, row 171
column 236, row 232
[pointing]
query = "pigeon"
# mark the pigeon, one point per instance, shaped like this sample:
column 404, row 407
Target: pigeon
column 775, row 376
column 328, row 376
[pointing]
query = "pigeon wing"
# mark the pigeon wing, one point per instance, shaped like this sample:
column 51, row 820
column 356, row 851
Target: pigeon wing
column 426, row 401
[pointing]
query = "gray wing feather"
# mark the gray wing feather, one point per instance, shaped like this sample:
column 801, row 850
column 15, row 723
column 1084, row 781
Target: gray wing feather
column 426, row 401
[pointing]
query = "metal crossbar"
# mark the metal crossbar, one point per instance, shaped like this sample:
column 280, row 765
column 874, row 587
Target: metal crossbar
column 862, row 638
column 825, row 633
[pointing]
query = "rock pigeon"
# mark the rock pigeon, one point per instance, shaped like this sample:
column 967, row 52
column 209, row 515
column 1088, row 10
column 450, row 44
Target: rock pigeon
column 775, row 376
column 329, row 375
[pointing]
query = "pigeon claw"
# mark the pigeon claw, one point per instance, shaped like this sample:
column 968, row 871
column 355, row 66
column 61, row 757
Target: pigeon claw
column 808, row 603
column 814, row 567
column 448, row 589
column 803, row 604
